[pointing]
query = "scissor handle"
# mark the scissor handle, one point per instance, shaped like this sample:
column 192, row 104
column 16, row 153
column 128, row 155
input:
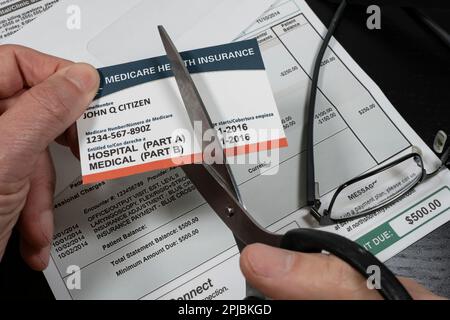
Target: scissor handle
column 316, row 241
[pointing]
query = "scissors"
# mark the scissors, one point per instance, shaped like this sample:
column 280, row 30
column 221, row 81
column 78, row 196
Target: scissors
column 217, row 185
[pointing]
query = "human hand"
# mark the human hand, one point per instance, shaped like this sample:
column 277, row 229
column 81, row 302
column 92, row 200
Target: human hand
column 286, row 275
column 41, row 97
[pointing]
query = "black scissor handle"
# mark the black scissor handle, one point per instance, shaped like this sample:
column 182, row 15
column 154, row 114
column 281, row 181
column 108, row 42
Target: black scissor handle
column 316, row 241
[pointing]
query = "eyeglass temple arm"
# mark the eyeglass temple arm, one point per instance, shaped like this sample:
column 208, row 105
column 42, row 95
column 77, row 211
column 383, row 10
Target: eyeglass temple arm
column 312, row 193
column 445, row 162
column 446, row 157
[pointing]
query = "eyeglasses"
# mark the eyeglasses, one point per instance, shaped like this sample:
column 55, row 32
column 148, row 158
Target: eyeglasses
column 370, row 192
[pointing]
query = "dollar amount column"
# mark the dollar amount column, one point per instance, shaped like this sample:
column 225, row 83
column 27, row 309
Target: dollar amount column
column 360, row 110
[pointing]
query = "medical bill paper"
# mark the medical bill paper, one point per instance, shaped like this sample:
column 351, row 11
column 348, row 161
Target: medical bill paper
column 138, row 121
column 128, row 247
column 15, row 14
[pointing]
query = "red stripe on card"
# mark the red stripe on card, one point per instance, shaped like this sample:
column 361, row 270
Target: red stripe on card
column 176, row 162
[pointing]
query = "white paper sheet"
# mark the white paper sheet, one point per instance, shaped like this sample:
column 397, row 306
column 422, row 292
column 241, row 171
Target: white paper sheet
column 15, row 14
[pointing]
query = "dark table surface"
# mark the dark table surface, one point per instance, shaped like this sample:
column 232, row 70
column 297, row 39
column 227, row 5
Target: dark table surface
column 412, row 67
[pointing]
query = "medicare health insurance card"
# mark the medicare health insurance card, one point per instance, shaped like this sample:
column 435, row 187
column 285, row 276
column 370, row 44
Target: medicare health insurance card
column 139, row 123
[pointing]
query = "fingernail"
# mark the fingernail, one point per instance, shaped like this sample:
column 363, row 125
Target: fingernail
column 269, row 262
column 84, row 76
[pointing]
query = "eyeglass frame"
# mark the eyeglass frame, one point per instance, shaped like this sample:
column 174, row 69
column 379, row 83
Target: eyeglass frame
column 313, row 196
column 325, row 218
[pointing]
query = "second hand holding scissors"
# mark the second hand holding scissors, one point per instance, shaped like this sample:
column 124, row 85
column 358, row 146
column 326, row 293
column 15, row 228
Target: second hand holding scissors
column 217, row 185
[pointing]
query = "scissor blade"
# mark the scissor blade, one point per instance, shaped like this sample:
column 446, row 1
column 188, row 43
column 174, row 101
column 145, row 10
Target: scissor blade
column 196, row 109
column 191, row 97
column 228, row 207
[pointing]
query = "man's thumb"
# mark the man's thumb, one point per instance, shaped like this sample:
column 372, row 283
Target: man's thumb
column 281, row 274
column 45, row 111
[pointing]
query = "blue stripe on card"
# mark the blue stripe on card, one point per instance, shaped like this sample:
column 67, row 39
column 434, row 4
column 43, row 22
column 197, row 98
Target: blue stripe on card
column 243, row 55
